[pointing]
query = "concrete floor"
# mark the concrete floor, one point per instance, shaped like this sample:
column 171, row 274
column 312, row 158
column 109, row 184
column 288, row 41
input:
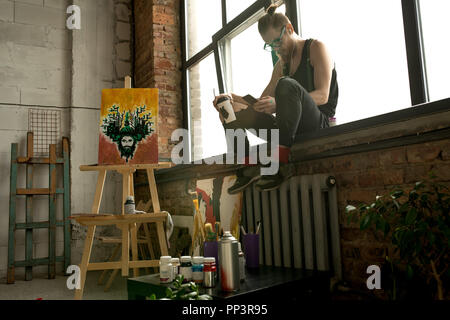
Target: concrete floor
column 56, row 289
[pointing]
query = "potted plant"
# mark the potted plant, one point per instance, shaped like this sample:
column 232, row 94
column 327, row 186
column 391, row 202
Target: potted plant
column 417, row 223
column 182, row 291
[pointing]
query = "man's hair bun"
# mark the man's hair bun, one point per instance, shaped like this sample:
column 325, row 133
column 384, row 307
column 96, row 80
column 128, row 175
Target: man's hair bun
column 271, row 9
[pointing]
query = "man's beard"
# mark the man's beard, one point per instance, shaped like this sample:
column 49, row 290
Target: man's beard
column 127, row 152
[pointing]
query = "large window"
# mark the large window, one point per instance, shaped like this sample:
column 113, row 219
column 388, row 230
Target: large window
column 366, row 41
column 389, row 55
column 435, row 26
column 206, row 130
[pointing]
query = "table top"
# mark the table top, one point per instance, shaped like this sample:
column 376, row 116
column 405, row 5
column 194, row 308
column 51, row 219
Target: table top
column 258, row 279
column 97, row 167
column 108, row 219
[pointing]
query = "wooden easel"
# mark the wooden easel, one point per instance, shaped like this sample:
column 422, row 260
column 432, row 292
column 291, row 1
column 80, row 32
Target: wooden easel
column 128, row 223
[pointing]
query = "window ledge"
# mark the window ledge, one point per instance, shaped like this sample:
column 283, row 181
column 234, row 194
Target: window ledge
column 422, row 123
column 425, row 122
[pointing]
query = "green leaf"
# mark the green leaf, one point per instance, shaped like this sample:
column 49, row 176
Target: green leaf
column 152, row 297
column 349, row 208
column 411, row 216
column 396, row 194
column 409, row 271
column 169, row 293
column 365, row 222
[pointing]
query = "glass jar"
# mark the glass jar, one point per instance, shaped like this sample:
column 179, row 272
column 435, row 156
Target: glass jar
column 165, row 269
column 197, row 269
column 186, row 268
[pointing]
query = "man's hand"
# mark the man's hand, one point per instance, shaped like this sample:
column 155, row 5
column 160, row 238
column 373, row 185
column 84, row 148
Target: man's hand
column 266, row 105
column 236, row 101
column 229, row 96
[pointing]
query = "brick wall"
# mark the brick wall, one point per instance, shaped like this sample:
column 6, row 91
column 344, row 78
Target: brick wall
column 360, row 177
column 158, row 62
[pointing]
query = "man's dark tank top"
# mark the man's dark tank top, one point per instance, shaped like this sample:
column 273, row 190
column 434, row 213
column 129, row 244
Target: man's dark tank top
column 305, row 76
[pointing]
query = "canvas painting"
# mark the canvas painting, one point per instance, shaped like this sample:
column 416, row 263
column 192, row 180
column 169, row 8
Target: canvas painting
column 128, row 127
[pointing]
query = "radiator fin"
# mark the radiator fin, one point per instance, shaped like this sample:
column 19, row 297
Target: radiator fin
column 300, row 225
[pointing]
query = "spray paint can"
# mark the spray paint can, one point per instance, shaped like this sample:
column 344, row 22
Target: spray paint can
column 229, row 263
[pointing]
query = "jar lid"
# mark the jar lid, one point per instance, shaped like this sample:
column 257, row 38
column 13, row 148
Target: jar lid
column 209, row 260
column 222, row 99
column 175, row 260
column 198, row 260
column 185, row 258
column 165, row 259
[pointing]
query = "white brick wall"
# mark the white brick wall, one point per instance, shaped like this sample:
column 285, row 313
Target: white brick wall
column 44, row 65
column 6, row 10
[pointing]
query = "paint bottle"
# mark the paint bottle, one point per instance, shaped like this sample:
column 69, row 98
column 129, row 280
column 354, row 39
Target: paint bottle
column 176, row 267
column 332, row 121
column 165, row 269
column 186, row 268
column 209, row 272
column 197, row 269
column 129, row 206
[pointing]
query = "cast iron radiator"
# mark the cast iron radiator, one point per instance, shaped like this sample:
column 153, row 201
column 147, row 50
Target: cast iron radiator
column 299, row 223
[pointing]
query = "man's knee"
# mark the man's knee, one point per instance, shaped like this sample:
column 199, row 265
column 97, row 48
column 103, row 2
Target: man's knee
column 286, row 86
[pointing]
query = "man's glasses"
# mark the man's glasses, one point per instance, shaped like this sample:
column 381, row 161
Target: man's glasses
column 275, row 44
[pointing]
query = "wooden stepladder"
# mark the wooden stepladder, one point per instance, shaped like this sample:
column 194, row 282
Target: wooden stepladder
column 29, row 225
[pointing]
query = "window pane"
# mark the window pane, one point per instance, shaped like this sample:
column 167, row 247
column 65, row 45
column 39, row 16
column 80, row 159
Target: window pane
column 435, row 22
column 203, row 19
column 366, row 41
column 236, row 7
column 251, row 65
column 207, row 133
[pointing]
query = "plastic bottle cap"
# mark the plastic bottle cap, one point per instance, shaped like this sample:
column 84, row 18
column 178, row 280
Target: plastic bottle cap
column 165, row 259
column 198, row 260
column 209, row 260
column 185, row 259
column 175, row 260
column 222, row 99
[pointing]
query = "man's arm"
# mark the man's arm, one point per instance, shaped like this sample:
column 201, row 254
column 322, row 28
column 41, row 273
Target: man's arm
column 269, row 91
column 323, row 68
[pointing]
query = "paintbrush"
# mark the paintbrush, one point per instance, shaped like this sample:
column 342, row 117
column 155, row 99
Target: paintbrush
column 210, row 235
column 217, row 229
column 258, row 227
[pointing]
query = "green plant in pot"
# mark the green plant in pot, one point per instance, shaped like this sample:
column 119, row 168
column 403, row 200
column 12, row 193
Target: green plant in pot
column 417, row 224
column 182, row 291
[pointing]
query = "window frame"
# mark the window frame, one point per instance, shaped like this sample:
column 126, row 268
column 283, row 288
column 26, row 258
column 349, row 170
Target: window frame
column 414, row 52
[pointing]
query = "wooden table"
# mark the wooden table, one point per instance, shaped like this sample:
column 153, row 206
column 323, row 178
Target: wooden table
column 263, row 284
